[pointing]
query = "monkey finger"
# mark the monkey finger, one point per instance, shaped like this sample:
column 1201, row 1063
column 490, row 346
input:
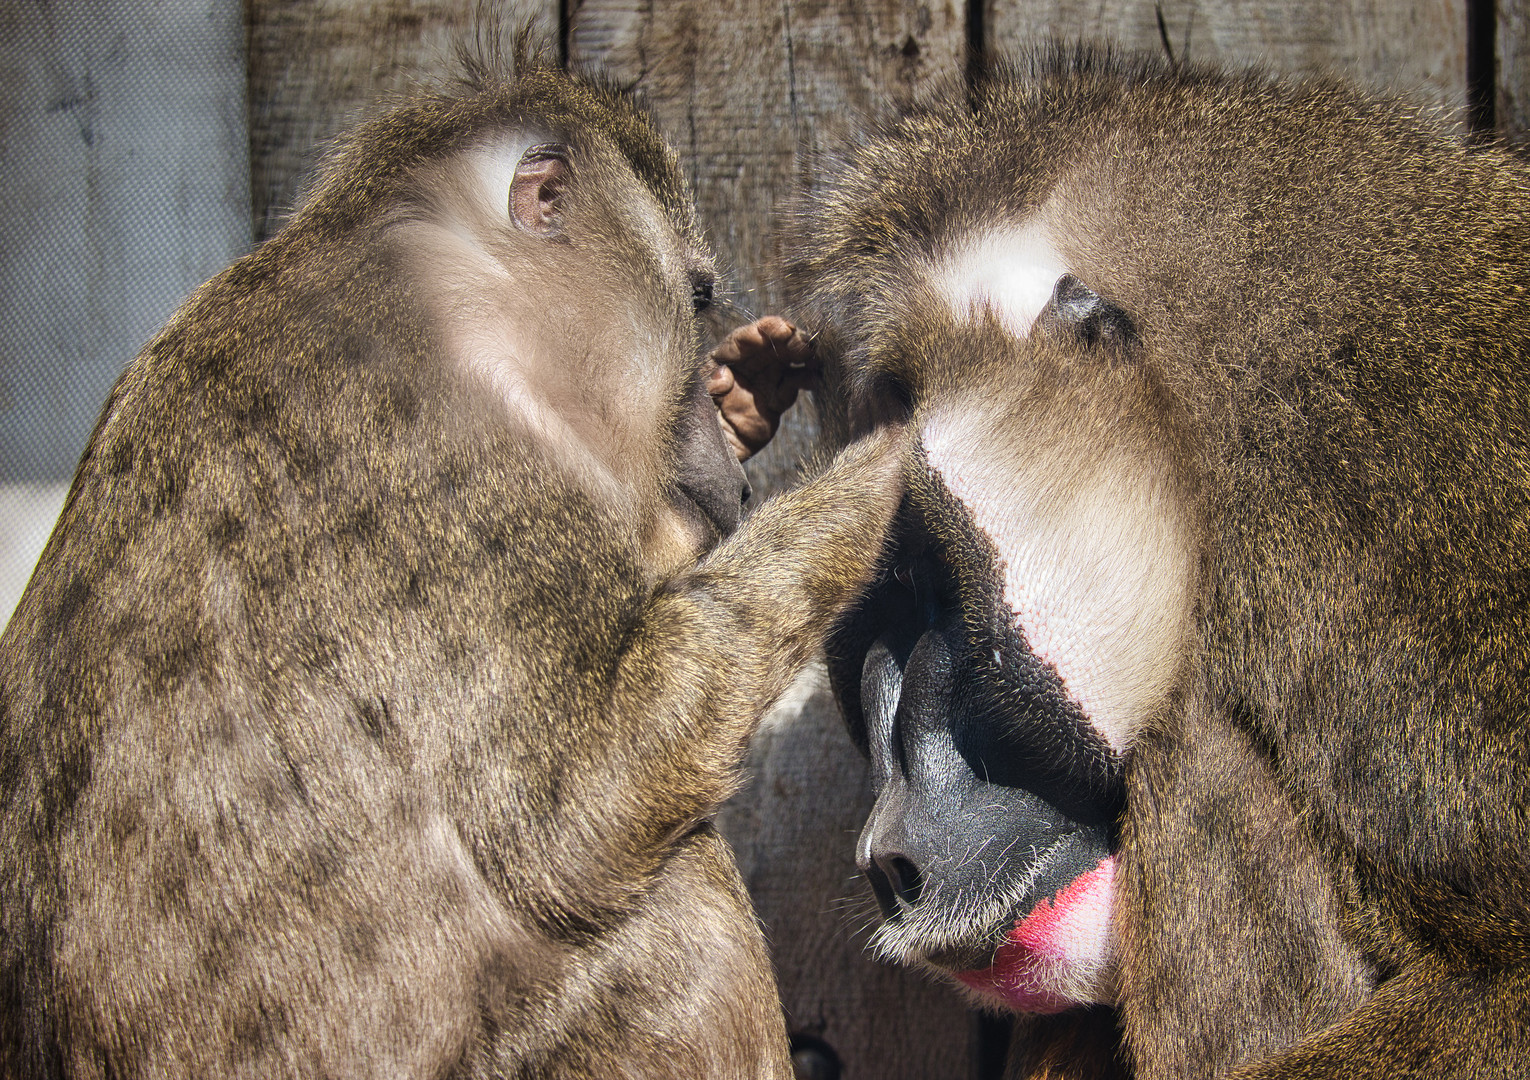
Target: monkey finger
column 752, row 425
column 743, row 341
column 779, row 394
column 740, row 451
column 773, row 328
column 720, row 381
column 787, row 341
column 801, row 355
column 758, row 371
column 772, row 401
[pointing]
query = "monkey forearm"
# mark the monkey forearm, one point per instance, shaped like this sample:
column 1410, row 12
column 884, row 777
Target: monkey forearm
column 721, row 642
column 715, row 647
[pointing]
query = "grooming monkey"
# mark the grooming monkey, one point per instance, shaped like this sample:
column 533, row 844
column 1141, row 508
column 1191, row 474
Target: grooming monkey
column 367, row 708
column 1197, row 694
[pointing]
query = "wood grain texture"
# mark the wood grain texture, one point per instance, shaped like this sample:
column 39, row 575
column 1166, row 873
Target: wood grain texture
column 750, row 93
column 1513, row 59
column 317, row 65
column 1416, row 47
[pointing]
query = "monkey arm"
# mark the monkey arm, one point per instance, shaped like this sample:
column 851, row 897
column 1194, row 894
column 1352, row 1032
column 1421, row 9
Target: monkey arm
column 710, row 650
column 718, row 644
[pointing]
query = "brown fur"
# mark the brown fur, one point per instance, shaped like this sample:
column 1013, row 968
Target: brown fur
column 353, row 726
column 1325, row 849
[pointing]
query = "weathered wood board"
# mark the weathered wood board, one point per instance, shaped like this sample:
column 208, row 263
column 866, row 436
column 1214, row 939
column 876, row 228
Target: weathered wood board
column 1512, row 41
column 1416, row 47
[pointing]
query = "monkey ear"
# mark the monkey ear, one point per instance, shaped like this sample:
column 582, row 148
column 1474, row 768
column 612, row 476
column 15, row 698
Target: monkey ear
column 537, row 189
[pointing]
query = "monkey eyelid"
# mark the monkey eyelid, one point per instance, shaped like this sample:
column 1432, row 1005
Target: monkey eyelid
column 547, row 151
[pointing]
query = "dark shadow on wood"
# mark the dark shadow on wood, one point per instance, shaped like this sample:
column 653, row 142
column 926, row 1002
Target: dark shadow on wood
column 977, row 44
column 565, row 25
column 1482, row 65
column 990, row 1045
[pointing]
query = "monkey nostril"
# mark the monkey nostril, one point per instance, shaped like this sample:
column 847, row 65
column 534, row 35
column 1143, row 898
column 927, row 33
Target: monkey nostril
column 904, row 876
column 894, row 878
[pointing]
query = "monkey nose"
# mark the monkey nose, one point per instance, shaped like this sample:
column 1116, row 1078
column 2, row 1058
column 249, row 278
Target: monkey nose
column 895, row 881
column 889, row 852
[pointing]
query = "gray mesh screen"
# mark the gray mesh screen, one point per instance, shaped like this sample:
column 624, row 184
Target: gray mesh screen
column 124, row 161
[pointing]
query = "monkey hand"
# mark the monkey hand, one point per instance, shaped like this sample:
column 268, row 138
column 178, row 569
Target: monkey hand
column 759, row 368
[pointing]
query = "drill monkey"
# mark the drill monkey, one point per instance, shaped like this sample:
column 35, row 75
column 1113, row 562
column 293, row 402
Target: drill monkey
column 367, row 708
column 1199, row 684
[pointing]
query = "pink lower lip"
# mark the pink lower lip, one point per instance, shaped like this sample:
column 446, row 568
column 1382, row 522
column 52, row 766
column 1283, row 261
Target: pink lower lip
column 1035, row 954
column 1012, row 982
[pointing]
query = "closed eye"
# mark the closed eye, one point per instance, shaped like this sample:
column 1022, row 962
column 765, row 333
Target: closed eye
column 701, row 293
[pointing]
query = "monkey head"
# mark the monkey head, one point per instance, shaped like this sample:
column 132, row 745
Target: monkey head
column 1195, row 681
column 1032, row 620
column 1036, row 611
column 547, row 237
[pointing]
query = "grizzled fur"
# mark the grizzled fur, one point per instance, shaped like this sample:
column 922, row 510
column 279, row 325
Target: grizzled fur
column 352, row 725
column 1325, row 847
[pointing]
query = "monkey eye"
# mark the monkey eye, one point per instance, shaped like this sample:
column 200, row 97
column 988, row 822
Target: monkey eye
column 701, row 293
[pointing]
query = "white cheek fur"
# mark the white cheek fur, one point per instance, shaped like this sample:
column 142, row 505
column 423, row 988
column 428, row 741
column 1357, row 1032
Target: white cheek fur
column 1097, row 573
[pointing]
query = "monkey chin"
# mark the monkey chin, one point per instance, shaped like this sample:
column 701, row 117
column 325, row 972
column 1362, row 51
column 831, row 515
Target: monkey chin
column 1058, row 955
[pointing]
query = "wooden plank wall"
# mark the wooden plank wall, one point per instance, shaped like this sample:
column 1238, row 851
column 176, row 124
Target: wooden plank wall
column 1415, row 46
column 742, row 87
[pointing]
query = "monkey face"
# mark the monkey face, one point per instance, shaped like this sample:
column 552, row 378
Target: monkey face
column 989, row 846
column 592, row 366
column 1030, row 623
